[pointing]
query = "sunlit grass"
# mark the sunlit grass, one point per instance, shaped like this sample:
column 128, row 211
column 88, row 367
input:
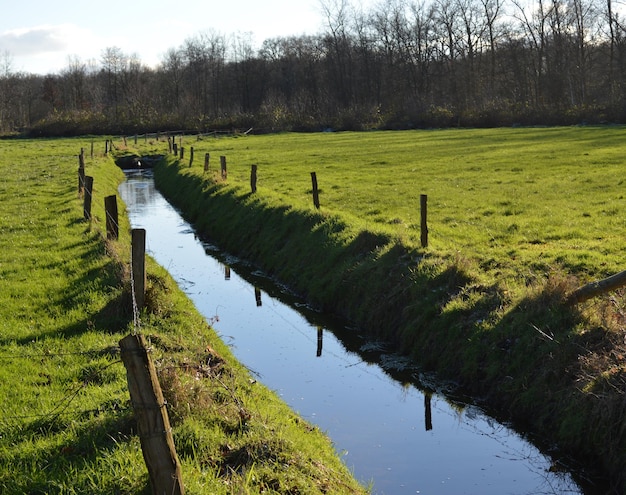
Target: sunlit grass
column 517, row 219
column 66, row 424
column 513, row 199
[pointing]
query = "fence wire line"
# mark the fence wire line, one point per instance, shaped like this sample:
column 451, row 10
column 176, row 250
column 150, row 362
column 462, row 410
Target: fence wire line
column 8, row 357
column 136, row 315
column 64, row 403
column 110, row 218
column 61, row 407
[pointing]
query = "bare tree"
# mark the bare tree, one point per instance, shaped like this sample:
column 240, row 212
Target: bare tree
column 534, row 26
column 6, row 88
column 336, row 14
column 74, row 77
column 113, row 60
column 205, row 56
column 491, row 11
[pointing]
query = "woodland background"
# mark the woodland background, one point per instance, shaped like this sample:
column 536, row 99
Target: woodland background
column 401, row 64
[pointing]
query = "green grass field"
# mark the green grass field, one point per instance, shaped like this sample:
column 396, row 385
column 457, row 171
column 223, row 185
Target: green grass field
column 514, row 200
column 66, row 424
column 518, row 218
column 512, row 214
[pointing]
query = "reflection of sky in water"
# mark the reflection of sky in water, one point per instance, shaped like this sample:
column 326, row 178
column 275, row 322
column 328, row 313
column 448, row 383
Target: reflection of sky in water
column 376, row 423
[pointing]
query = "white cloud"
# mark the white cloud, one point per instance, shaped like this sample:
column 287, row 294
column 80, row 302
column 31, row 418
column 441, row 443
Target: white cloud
column 46, row 48
column 35, row 40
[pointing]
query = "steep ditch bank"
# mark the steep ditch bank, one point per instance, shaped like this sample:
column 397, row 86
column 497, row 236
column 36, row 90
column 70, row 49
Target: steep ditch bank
column 495, row 350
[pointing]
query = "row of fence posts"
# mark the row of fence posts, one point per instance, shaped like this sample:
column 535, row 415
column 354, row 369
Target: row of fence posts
column 149, row 406
column 314, row 186
column 145, row 391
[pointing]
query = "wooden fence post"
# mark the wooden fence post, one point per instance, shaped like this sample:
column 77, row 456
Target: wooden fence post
column 191, row 156
column 175, row 148
column 91, row 149
column 253, row 179
column 316, row 193
column 597, row 287
column 424, row 218
column 182, row 152
column 106, row 148
column 223, row 166
column 138, row 260
column 169, row 144
column 81, row 172
column 207, row 157
column 110, row 208
column 87, row 199
column 155, row 432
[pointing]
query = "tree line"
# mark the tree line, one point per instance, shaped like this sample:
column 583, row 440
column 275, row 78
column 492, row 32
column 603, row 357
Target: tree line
column 400, row 64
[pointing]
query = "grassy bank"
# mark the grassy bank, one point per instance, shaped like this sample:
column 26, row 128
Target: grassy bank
column 66, row 424
column 517, row 217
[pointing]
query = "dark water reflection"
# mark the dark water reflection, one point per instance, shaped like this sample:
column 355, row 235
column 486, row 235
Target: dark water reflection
column 403, row 439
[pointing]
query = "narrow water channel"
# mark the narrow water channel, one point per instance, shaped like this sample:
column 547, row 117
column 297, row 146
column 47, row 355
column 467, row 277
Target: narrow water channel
column 399, row 438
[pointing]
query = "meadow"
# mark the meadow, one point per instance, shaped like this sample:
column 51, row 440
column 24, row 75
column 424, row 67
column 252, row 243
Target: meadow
column 518, row 201
column 66, row 422
column 517, row 218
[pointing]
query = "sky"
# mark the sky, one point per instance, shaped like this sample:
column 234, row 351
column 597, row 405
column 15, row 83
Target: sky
column 42, row 36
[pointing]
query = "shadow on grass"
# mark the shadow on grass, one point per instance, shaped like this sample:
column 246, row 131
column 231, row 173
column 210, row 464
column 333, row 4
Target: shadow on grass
column 95, row 437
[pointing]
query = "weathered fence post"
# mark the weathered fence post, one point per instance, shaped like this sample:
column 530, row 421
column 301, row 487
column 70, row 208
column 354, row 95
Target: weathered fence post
column 207, row 157
column 135, row 139
column 191, row 156
column 155, row 432
column 597, row 287
column 106, row 148
column 424, row 218
column 81, row 172
column 182, row 152
column 175, row 148
column 110, row 208
column 257, row 297
column 169, row 144
column 138, row 261
column 316, row 193
column 91, row 149
column 253, row 178
column 87, row 199
column 223, row 167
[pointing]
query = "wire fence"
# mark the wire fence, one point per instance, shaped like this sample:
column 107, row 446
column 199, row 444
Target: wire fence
column 63, row 405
